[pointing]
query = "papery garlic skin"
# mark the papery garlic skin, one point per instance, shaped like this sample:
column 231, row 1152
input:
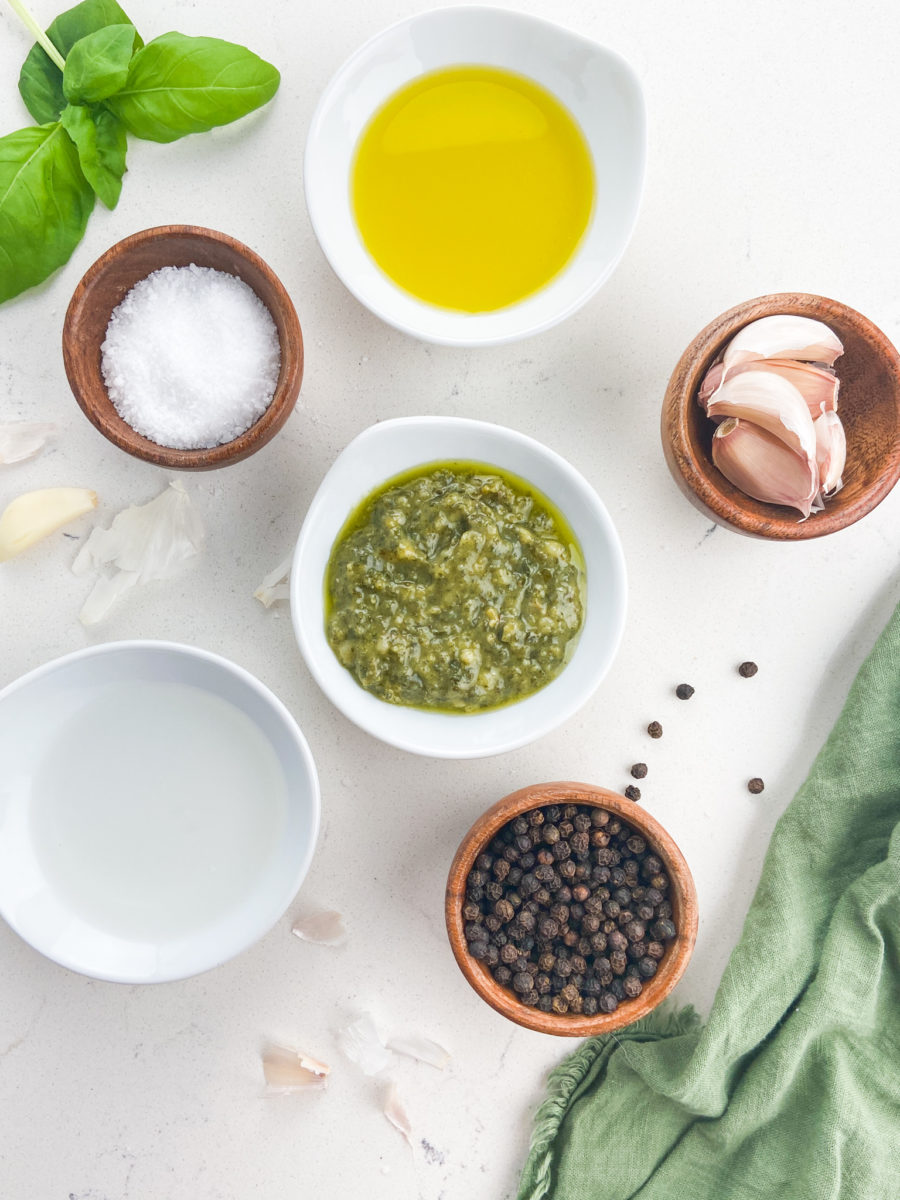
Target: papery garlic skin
column 831, row 452
column 763, row 467
column 288, row 1071
column 771, row 402
column 23, row 439
column 783, row 335
column 34, row 515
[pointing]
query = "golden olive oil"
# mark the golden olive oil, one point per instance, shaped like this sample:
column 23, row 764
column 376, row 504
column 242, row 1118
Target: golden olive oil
column 472, row 187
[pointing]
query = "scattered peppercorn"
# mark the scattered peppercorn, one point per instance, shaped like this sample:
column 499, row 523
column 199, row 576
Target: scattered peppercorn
column 639, row 771
column 747, row 669
column 577, row 926
column 632, row 792
column 655, row 729
column 755, row 786
column 684, row 691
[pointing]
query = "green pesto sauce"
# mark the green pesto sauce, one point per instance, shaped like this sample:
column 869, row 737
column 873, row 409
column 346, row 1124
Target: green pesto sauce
column 455, row 586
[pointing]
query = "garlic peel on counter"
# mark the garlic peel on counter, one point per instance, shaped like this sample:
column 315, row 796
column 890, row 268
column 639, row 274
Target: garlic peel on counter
column 276, row 584
column 763, row 466
column 770, row 402
column 783, row 335
column 23, row 439
column 143, row 543
column 34, row 515
column 288, row 1071
column 396, row 1113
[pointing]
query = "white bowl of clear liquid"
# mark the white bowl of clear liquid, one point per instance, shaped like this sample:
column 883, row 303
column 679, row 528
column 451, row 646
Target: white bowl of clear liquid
column 158, row 810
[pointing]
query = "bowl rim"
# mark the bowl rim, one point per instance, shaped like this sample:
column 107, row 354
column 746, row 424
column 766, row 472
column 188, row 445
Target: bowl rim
column 683, row 894
column 382, row 727
column 272, row 912
column 291, row 345
column 684, row 463
column 334, row 88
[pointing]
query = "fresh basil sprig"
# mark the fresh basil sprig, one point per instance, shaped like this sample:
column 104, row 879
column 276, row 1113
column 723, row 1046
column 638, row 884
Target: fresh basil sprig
column 88, row 82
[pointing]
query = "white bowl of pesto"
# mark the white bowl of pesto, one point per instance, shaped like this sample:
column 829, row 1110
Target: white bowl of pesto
column 463, row 188
column 401, row 448
column 159, row 810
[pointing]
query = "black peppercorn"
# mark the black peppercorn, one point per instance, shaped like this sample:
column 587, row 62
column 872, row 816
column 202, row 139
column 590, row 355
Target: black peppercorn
column 663, row 931
column 632, row 986
column 634, row 930
column 550, row 834
column 747, row 669
column 755, row 786
column 636, row 950
column 500, row 869
column 618, row 962
column 647, row 967
column 545, row 1003
column 484, row 862
column 520, row 825
column 522, row 981
column 684, row 691
column 655, row 950
column 633, row 793
column 502, row 974
column 639, row 771
column 559, row 1006
column 608, row 1003
column 508, row 953
column 655, row 729
column 589, row 1006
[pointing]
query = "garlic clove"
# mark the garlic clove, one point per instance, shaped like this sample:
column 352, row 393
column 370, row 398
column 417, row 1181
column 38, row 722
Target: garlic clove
column 763, row 466
column 831, row 452
column 817, row 385
column 34, row 515
column 771, row 402
column 711, row 381
column 783, row 336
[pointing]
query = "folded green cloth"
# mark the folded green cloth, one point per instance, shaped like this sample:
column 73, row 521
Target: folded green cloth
column 791, row 1091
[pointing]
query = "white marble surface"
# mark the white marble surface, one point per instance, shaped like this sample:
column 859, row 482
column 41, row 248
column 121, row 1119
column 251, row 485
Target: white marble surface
column 772, row 166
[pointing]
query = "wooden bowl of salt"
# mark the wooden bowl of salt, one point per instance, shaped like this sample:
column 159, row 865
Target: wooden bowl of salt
column 205, row 386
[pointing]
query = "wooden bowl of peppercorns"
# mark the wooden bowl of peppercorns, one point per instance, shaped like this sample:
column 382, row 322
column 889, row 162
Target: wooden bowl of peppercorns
column 570, row 909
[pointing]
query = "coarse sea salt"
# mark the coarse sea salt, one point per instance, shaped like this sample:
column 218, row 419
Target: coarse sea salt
column 191, row 357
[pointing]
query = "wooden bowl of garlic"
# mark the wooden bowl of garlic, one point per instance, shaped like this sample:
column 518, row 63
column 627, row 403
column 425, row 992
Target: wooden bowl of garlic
column 782, row 417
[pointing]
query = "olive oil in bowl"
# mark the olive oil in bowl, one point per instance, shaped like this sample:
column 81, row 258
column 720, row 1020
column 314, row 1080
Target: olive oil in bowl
column 472, row 188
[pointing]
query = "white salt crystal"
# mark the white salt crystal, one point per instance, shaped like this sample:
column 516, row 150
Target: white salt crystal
column 191, row 357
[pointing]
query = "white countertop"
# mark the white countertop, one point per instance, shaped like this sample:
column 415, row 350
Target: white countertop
column 773, row 166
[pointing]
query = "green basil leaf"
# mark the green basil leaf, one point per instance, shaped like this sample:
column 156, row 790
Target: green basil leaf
column 179, row 85
column 41, row 81
column 97, row 65
column 45, row 202
column 100, row 139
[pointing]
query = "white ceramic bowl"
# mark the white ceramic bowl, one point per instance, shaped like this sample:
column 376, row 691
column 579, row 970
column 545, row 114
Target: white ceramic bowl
column 387, row 449
column 598, row 87
column 36, row 718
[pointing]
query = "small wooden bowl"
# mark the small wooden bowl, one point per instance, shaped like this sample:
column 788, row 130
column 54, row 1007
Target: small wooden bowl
column 682, row 894
column 868, row 405
column 108, row 281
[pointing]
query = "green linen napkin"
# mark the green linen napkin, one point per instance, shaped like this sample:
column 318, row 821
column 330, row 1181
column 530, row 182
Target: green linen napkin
column 791, row 1091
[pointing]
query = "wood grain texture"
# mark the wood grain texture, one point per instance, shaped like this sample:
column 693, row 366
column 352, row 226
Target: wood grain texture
column 105, row 285
column 868, row 405
column 683, row 896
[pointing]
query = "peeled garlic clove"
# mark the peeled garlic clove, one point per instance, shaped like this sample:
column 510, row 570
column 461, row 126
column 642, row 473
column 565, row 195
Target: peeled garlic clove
column 783, row 336
column 771, row 402
column 831, row 452
column 711, row 381
column 817, row 385
column 36, row 514
column 763, row 466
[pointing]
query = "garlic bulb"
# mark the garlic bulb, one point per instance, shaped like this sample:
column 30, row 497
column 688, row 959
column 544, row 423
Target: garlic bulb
column 770, row 402
column 763, row 466
column 783, row 335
